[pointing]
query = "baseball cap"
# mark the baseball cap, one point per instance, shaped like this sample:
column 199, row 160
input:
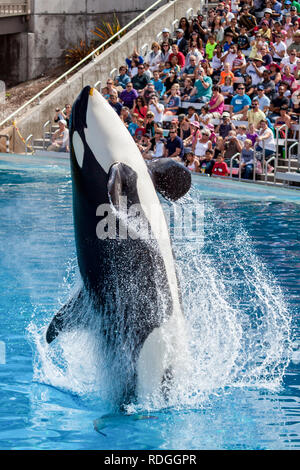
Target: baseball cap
column 63, row 121
column 179, row 30
column 293, row 8
column 268, row 10
column 165, row 30
column 260, row 87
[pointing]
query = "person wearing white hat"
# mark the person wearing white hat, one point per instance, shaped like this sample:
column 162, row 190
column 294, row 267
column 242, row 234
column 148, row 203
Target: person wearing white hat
column 60, row 138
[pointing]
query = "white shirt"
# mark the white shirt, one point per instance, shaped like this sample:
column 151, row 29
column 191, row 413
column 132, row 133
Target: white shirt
column 279, row 48
column 158, row 116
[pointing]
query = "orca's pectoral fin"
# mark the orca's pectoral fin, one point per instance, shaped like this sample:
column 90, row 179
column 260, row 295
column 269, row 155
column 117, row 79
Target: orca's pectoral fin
column 170, row 178
column 67, row 318
column 122, row 182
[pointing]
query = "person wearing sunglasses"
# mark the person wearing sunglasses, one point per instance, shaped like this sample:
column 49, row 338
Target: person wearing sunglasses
column 240, row 104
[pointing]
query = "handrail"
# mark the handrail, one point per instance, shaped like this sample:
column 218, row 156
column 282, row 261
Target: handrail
column 266, row 167
column 89, row 56
column 189, row 13
column 47, row 123
column 144, row 46
column 173, row 27
column 277, row 129
column 289, row 154
column 26, row 142
column 113, row 72
column 98, row 83
column 236, row 155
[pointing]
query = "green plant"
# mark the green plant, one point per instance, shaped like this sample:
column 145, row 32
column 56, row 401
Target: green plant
column 77, row 53
column 108, row 30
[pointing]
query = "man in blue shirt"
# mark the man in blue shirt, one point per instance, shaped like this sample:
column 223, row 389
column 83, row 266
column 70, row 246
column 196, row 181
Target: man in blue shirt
column 240, row 104
column 174, row 145
column 122, row 79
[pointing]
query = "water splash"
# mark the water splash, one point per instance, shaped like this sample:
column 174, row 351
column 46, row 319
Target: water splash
column 239, row 327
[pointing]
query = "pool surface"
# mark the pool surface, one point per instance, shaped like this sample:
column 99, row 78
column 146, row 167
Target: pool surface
column 240, row 282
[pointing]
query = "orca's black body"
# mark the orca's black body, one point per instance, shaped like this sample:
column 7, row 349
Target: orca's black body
column 125, row 280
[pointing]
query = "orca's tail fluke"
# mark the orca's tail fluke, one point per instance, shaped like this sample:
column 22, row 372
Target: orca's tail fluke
column 67, row 318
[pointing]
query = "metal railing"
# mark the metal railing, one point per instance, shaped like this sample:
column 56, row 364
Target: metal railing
column 81, row 62
column 15, row 9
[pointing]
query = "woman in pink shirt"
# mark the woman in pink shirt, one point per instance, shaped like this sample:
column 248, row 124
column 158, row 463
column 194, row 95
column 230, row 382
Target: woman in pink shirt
column 216, row 103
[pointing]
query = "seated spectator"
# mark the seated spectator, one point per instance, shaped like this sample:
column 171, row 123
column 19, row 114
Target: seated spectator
column 144, row 145
column 232, row 145
column 291, row 59
column 190, row 71
column 187, row 89
column 252, row 133
column 158, row 84
column 157, row 144
column 157, row 109
column 263, row 100
column 60, row 138
column 202, row 143
column 136, row 57
column 241, row 133
column 191, row 161
column 287, row 76
column 126, row 116
column 172, row 102
column 114, row 102
column 154, row 57
column 202, row 91
column 216, row 103
column 193, row 52
column 227, row 90
column 140, row 80
column 268, row 84
column 220, row 167
column 181, row 41
column 133, row 125
column 277, row 102
column 169, row 81
column 225, row 126
column 178, row 54
column 166, row 36
column 149, row 124
column 174, row 146
column 226, row 73
column 255, row 70
column 255, row 114
column 68, row 111
column 148, row 92
column 122, row 79
column 296, row 42
column 240, row 103
column 265, row 139
column 140, row 107
column 184, row 128
column 165, row 51
column 140, row 130
column 185, row 26
column 207, row 163
column 278, row 49
column 210, row 46
column 284, row 118
column 247, row 160
column 129, row 96
column 229, row 56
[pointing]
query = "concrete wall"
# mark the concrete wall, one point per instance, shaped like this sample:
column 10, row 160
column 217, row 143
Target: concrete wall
column 99, row 70
column 54, row 27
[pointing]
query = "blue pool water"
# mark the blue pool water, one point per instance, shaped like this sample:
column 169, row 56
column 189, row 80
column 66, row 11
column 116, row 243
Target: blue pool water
column 240, row 285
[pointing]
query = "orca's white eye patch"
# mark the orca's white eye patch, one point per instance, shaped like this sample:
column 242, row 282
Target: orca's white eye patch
column 78, row 148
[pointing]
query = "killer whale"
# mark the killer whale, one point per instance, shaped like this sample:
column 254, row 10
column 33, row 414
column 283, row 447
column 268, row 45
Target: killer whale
column 131, row 281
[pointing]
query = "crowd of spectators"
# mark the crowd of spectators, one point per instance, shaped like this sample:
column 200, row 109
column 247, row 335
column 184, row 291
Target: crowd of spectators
column 216, row 87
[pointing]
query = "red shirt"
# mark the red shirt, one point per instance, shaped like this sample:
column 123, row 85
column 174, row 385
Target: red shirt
column 181, row 58
column 220, row 169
